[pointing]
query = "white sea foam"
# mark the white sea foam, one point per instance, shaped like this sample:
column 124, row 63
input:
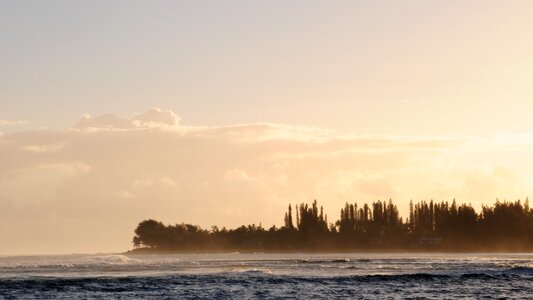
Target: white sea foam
column 266, row 276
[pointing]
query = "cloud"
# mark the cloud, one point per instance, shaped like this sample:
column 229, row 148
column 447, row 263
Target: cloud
column 147, row 182
column 28, row 188
column 155, row 118
column 106, row 121
column 236, row 175
column 72, row 168
column 125, row 194
column 44, row 148
column 12, row 123
column 85, row 188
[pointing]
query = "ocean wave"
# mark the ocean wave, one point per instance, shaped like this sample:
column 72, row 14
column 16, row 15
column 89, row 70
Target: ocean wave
column 275, row 276
column 115, row 259
column 68, row 262
column 255, row 283
column 251, row 274
column 250, row 271
column 522, row 270
column 324, row 261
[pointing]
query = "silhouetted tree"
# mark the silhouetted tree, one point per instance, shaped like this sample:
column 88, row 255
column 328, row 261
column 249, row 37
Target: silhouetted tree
column 502, row 226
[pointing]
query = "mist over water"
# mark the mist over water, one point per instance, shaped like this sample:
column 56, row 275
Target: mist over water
column 236, row 275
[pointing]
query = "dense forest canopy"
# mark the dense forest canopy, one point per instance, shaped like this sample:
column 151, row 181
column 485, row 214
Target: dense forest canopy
column 504, row 226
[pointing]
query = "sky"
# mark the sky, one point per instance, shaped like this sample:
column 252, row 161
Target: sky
column 223, row 112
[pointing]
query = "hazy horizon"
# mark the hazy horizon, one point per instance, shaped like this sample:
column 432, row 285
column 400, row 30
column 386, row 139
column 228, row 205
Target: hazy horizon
column 84, row 188
column 214, row 113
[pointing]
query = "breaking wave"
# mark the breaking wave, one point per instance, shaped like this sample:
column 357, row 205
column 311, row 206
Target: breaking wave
column 264, row 276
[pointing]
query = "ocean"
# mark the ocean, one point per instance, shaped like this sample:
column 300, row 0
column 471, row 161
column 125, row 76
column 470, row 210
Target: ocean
column 268, row 276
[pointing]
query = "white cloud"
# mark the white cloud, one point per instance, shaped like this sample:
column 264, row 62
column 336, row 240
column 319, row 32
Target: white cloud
column 106, row 121
column 156, row 118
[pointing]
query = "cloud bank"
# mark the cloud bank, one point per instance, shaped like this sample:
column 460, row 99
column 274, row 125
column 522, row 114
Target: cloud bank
column 84, row 188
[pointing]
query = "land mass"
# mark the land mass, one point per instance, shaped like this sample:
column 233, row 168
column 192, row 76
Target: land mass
column 430, row 227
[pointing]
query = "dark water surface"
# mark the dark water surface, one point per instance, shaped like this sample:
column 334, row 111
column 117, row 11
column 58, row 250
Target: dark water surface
column 268, row 276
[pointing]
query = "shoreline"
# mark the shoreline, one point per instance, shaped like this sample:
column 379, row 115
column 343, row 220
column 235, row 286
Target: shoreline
column 147, row 251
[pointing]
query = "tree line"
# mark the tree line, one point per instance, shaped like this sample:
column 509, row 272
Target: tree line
column 442, row 226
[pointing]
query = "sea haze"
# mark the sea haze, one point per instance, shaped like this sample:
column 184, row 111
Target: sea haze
column 236, row 275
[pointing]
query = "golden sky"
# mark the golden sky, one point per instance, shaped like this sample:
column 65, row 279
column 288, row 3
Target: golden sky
column 84, row 189
column 278, row 102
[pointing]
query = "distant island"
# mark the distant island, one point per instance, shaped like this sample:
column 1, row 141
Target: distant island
column 504, row 226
